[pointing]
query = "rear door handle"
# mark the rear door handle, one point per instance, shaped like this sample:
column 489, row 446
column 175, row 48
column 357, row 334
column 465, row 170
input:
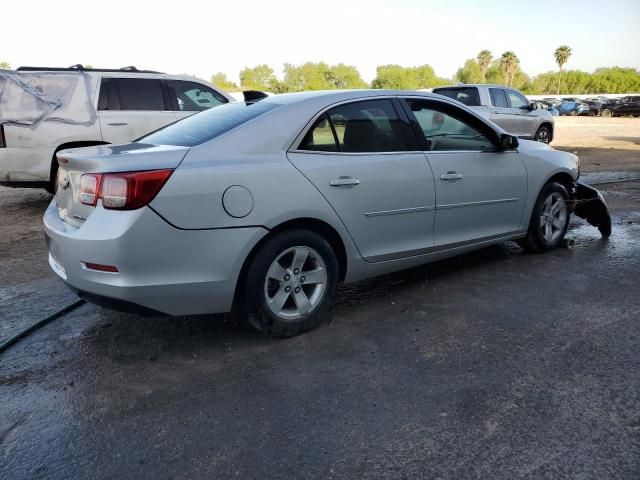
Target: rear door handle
column 450, row 176
column 117, row 124
column 344, row 181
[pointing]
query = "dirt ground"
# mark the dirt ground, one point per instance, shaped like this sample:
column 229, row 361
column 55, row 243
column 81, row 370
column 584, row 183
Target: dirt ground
column 603, row 144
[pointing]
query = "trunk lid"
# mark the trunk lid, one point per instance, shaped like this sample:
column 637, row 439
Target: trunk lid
column 132, row 157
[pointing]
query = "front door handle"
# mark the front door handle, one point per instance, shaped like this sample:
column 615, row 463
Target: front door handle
column 117, row 124
column 344, row 181
column 450, row 176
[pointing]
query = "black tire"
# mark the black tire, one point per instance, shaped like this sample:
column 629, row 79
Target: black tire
column 252, row 299
column 607, row 113
column 543, row 134
column 535, row 241
column 574, row 113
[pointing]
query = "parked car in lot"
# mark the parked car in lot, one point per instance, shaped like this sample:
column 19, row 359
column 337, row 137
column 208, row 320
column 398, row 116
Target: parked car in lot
column 265, row 206
column 629, row 105
column 99, row 107
column 573, row 107
column 506, row 107
column 548, row 106
column 595, row 106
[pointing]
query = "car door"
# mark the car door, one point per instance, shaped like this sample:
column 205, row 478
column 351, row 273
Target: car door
column 500, row 111
column 129, row 108
column 188, row 97
column 364, row 158
column 525, row 119
column 480, row 191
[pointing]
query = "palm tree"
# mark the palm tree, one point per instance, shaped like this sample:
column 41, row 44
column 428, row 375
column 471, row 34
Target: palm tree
column 509, row 64
column 484, row 60
column 561, row 55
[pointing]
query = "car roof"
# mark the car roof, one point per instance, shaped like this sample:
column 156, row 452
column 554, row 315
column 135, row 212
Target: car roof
column 338, row 95
column 464, row 85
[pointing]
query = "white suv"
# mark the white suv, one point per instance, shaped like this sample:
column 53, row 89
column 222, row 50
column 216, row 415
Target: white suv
column 45, row 110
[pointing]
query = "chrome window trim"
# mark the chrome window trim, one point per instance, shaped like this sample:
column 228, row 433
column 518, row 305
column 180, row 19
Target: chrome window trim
column 293, row 148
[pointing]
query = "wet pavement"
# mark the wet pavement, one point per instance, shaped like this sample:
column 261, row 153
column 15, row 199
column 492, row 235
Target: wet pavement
column 495, row 364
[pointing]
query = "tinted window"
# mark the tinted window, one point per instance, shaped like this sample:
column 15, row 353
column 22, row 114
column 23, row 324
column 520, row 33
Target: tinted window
column 517, row 100
column 449, row 129
column 206, row 125
column 371, row 126
column 140, row 94
column 194, row 97
column 498, row 98
column 467, row 95
column 320, row 138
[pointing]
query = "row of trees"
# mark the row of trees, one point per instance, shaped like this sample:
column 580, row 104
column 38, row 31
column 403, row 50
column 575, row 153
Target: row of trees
column 482, row 69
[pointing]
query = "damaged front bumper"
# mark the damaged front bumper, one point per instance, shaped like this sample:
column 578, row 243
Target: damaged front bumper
column 589, row 204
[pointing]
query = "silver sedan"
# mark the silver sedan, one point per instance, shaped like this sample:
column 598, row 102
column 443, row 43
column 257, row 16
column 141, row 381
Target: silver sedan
column 264, row 207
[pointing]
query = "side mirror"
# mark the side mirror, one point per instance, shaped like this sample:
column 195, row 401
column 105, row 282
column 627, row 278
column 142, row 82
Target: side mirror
column 533, row 106
column 508, row 142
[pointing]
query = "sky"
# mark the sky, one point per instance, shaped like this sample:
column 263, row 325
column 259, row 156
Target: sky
column 204, row 37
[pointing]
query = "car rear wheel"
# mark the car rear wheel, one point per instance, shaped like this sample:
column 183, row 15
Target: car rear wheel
column 543, row 135
column 606, row 113
column 290, row 284
column 549, row 219
column 574, row 113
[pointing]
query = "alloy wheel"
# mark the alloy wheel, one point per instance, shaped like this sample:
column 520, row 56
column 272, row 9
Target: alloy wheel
column 553, row 217
column 543, row 136
column 295, row 283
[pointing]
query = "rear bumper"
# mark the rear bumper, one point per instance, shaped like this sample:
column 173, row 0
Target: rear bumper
column 160, row 268
column 25, row 165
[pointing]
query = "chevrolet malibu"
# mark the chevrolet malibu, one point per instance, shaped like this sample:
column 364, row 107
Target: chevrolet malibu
column 264, row 207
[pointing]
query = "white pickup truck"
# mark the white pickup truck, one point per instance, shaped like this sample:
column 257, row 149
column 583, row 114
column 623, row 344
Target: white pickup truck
column 45, row 110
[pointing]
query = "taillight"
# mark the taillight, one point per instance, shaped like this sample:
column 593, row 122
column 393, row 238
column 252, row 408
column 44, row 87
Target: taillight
column 122, row 191
column 3, row 142
column 89, row 188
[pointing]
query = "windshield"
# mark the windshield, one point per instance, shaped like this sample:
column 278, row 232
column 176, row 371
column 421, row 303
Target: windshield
column 204, row 126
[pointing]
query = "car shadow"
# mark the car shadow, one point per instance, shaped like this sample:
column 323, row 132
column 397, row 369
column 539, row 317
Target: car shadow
column 127, row 338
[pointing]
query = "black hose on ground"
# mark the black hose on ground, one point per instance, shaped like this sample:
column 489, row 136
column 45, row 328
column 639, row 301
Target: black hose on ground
column 40, row 323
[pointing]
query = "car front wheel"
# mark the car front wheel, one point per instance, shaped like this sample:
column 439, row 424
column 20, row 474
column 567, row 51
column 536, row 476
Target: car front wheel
column 606, row 113
column 543, row 135
column 549, row 219
column 290, row 284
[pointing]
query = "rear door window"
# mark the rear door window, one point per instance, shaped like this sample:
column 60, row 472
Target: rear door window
column 321, row 137
column 194, row 97
column 498, row 98
column 467, row 95
column 140, row 94
column 365, row 127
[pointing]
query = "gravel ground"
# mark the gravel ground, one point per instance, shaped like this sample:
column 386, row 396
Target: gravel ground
column 495, row 365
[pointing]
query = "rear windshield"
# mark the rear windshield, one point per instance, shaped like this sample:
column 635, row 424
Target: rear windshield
column 467, row 95
column 204, row 126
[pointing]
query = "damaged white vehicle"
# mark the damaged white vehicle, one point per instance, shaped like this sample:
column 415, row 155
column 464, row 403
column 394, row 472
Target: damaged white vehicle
column 46, row 110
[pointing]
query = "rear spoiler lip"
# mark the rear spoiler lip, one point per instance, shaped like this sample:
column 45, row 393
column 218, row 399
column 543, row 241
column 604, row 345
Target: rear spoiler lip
column 254, row 95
